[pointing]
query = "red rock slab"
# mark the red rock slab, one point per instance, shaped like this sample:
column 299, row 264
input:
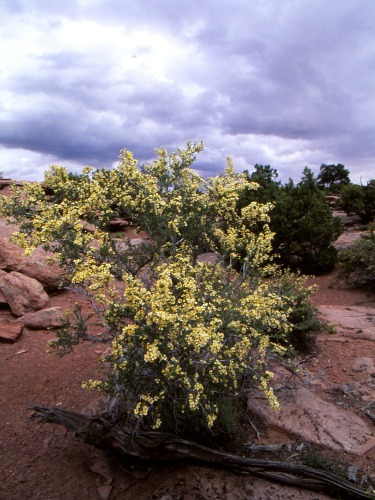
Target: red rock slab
column 118, row 223
column 46, row 318
column 314, row 420
column 9, row 332
column 35, row 266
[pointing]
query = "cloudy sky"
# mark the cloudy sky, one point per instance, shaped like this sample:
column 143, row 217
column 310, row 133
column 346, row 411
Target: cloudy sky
column 288, row 83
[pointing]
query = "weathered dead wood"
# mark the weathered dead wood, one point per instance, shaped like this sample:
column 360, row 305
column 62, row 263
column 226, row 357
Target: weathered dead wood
column 157, row 447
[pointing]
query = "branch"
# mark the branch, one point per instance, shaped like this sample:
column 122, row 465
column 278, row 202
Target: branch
column 103, row 433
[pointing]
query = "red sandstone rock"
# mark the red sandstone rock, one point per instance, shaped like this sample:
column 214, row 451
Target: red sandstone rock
column 364, row 364
column 9, row 332
column 313, row 420
column 51, row 317
column 118, row 223
column 35, row 266
column 23, row 294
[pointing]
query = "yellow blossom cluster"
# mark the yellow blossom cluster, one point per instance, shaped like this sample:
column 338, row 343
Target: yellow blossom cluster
column 193, row 331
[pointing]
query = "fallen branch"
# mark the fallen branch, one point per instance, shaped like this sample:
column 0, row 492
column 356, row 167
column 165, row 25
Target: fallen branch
column 159, row 447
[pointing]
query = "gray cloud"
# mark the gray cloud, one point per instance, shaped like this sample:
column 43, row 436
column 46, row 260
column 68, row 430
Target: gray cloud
column 284, row 83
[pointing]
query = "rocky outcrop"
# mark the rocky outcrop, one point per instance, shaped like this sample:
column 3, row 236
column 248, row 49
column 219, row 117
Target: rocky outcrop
column 117, row 224
column 44, row 319
column 326, row 402
column 35, row 266
column 332, row 201
column 208, row 257
column 364, row 365
column 123, row 246
column 23, row 294
column 2, row 298
column 351, row 321
column 347, row 220
column 348, row 238
column 313, row 420
column 6, row 187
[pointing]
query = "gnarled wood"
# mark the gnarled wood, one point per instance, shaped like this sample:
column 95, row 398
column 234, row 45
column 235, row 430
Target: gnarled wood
column 163, row 447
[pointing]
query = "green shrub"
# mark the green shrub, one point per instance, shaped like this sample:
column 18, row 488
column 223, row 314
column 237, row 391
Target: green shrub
column 302, row 316
column 304, row 227
column 356, row 264
column 359, row 200
column 316, row 460
column 300, row 218
column 333, row 177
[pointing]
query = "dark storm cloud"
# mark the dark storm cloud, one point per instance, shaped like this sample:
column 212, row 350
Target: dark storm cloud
column 299, row 75
column 292, row 80
column 80, row 113
column 76, row 115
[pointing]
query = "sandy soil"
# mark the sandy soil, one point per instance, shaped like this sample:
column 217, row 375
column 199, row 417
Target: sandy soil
column 45, row 462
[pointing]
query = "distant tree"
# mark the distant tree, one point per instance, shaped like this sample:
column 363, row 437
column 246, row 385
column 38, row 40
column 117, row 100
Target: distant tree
column 359, row 200
column 333, row 177
column 301, row 220
column 265, row 177
column 304, row 226
column 264, row 174
column 74, row 176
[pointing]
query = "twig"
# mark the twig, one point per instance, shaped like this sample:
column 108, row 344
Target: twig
column 255, row 429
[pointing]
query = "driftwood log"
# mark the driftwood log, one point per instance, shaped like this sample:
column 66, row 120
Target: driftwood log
column 157, row 447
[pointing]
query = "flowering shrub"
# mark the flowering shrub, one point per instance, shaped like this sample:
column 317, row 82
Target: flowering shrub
column 184, row 334
column 190, row 339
